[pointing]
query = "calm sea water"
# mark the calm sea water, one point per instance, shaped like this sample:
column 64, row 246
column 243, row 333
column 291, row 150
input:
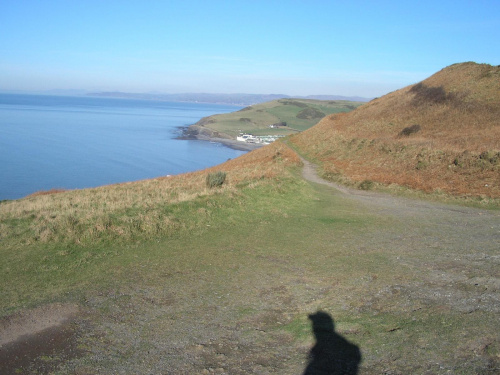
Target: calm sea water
column 50, row 142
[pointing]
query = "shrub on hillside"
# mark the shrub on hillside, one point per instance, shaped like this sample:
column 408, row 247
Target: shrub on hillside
column 216, row 179
column 486, row 160
column 427, row 94
column 409, row 130
column 279, row 124
column 367, row 185
column 491, row 157
column 293, row 102
column 310, row 113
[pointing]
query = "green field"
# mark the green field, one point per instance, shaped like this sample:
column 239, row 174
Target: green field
column 299, row 115
column 172, row 277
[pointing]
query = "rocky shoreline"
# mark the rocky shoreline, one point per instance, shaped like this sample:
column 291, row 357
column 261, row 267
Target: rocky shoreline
column 195, row 132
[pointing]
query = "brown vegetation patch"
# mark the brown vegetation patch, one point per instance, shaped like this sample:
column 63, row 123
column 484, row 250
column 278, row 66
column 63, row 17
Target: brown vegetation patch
column 48, row 192
column 123, row 211
column 452, row 145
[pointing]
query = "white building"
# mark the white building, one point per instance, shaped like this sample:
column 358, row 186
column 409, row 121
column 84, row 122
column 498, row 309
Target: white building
column 265, row 139
column 247, row 138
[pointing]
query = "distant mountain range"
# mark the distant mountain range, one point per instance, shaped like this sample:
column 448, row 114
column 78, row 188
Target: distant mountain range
column 232, row 99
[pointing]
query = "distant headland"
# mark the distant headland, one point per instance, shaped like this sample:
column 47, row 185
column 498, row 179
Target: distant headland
column 231, row 99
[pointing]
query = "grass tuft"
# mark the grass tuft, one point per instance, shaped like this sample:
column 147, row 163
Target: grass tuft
column 215, row 179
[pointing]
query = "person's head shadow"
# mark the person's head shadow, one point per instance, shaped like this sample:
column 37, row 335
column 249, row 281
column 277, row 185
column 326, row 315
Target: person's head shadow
column 332, row 354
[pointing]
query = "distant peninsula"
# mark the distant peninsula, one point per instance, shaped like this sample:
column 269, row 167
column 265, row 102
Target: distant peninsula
column 231, row 99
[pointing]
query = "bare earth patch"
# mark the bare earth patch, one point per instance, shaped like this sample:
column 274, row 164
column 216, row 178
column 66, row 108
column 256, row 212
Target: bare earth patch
column 38, row 340
column 418, row 292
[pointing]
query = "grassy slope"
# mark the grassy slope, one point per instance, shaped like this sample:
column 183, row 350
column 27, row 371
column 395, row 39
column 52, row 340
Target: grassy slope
column 256, row 118
column 457, row 149
column 47, row 240
column 174, row 277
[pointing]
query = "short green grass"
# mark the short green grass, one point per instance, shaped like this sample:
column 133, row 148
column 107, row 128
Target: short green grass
column 238, row 277
column 255, row 119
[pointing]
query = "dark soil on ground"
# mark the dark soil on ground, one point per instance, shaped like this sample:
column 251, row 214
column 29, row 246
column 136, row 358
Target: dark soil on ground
column 451, row 257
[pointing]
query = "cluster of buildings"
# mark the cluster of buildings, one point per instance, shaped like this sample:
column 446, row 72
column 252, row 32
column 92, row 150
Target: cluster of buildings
column 263, row 139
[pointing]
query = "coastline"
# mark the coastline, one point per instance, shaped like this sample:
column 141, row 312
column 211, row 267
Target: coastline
column 187, row 134
column 231, row 143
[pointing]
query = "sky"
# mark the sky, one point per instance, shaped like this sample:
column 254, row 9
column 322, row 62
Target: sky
column 311, row 47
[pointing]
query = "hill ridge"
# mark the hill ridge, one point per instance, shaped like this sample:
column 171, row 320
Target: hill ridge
column 439, row 134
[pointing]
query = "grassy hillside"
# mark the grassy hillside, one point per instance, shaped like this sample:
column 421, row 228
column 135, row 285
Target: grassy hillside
column 169, row 276
column 299, row 114
column 442, row 134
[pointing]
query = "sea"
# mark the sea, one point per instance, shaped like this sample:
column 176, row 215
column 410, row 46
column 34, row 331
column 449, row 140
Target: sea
column 61, row 142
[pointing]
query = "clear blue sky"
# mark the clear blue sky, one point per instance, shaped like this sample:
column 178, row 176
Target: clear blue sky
column 365, row 48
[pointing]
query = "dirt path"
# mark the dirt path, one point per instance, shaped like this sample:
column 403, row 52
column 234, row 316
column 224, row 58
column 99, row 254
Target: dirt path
column 389, row 203
column 464, row 243
column 309, row 172
column 445, row 259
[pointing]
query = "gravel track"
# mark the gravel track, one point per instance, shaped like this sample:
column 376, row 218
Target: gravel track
column 451, row 253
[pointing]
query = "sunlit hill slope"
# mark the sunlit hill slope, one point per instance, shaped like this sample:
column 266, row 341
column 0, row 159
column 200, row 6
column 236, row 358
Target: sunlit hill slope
column 442, row 134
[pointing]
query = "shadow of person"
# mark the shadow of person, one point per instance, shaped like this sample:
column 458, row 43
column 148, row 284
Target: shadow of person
column 332, row 354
